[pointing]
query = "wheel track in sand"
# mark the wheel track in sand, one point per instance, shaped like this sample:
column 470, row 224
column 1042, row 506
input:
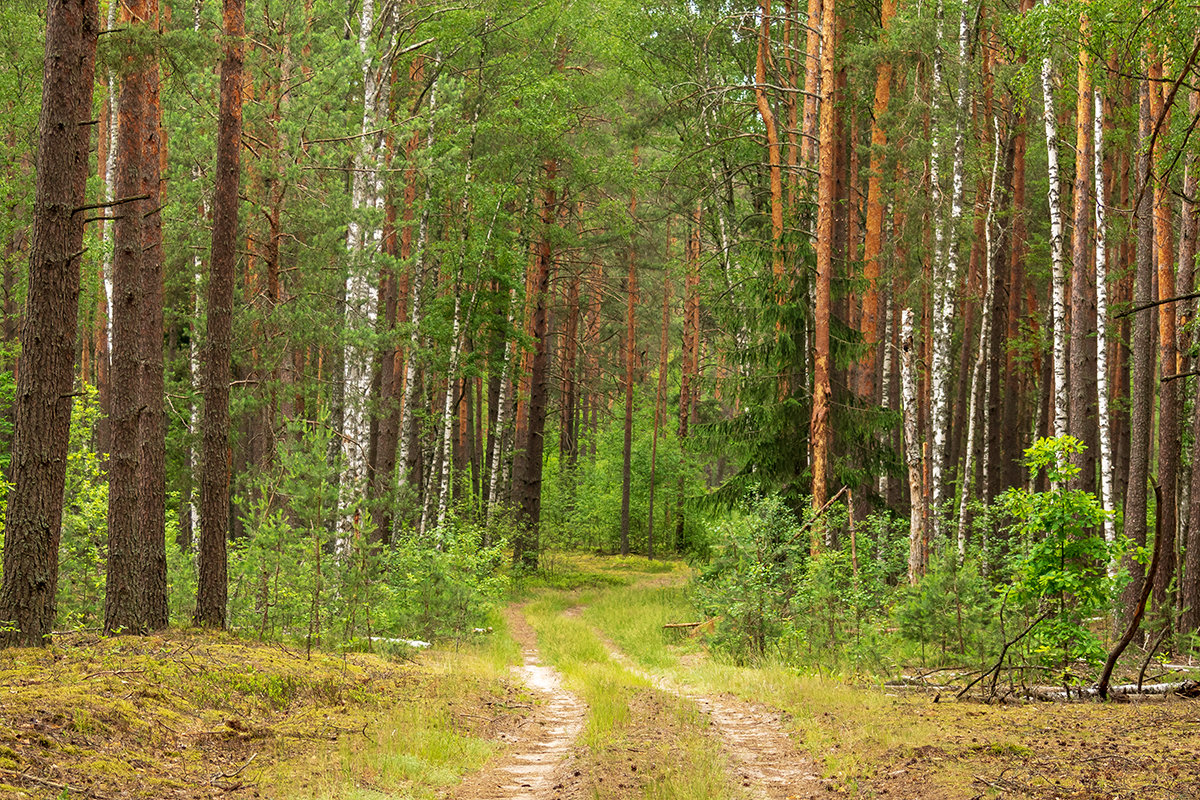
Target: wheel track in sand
column 769, row 765
column 530, row 769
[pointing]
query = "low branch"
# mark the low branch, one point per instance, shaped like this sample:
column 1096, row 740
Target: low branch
column 820, row 512
column 1155, row 303
column 995, row 670
column 109, row 204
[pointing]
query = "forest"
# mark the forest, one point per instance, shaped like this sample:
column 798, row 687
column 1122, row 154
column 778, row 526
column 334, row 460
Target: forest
column 343, row 325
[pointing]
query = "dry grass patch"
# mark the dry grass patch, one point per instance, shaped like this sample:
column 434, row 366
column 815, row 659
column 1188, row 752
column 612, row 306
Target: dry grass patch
column 198, row 715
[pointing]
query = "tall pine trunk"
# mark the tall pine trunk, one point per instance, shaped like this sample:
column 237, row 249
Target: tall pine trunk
column 1142, row 384
column 819, row 426
column 631, row 290
column 42, row 413
column 212, row 587
column 125, row 587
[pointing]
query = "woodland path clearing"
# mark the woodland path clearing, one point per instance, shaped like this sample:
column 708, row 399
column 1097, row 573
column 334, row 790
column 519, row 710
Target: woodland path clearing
column 768, row 762
column 530, row 769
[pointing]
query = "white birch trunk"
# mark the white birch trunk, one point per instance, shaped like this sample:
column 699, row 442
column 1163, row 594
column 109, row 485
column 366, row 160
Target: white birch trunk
column 981, row 357
column 912, row 446
column 1057, row 260
column 885, row 394
column 938, row 399
column 110, row 183
column 1102, row 412
column 503, row 409
column 945, row 271
column 361, row 298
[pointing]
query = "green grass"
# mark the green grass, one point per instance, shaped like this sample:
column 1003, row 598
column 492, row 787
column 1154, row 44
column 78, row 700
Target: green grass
column 842, row 726
column 686, row 761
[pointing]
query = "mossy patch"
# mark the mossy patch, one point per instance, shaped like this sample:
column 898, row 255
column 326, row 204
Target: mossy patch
column 181, row 713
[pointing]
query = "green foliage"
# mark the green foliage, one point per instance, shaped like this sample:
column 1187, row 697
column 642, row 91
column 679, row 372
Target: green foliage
column 84, row 544
column 1061, row 564
column 446, row 591
column 952, row 608
column 753, row 580
column 581, row 507
column 292, row 577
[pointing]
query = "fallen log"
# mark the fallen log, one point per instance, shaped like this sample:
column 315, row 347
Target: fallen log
column 1188, row 688
column 669, row 625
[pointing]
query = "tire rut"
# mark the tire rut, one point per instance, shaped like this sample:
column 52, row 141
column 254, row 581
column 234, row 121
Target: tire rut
column 768, row 764
column 530, row 769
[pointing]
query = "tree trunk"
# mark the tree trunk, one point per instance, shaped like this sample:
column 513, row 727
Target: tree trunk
column 360, row 295
column 631, row 290
column 1102, row 383
column 1189, row 589
column 1058, row 266
column 1168, row 397
column 873, row 242
column 774, row 161
column 819, row 427
column 212, row 589
column 658, row 402
column 1142, row 386
column 912, row 449
column 527, row 470
column 152, row 432
column 42, row 412
column 125, row 584
column 1081, row 395
column 981, row 357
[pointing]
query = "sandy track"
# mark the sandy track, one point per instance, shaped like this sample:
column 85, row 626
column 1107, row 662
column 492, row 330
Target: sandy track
column 769, row 765
column 530, row 769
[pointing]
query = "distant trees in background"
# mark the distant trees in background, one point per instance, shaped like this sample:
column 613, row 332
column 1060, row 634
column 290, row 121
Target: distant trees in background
column 340, row 298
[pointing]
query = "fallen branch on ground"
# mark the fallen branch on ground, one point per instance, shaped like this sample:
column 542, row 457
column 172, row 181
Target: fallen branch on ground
column 62, row 787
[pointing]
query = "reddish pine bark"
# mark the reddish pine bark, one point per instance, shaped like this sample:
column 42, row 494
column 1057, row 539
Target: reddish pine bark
column 152, row 429
column 873, row 241
column 1081, row 394
column 125, row 587
column 212, row 590
column 819, row 431
column 631, row 290
column 1168, row 397
column 527, row 469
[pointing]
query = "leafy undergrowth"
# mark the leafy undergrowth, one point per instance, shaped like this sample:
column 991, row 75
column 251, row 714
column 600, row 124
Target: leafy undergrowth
column 198, row 715
column 881, row 742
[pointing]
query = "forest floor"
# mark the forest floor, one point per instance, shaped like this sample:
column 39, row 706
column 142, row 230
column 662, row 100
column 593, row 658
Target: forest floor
column 579, row 694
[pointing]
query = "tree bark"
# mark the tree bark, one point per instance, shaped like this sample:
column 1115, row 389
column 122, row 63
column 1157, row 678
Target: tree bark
column 819, row 426
column 125, row 585
column 631, row 290
column 1102, row 382
column 1168, row 390
column 213, row 589
column 873, row 241
column 1142, row 385
column 1189, row 589
column 912, row 449
column 42, row 412
column 1058, row 266
column 1081, row 395
column 527, row 470
column 152, row 431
